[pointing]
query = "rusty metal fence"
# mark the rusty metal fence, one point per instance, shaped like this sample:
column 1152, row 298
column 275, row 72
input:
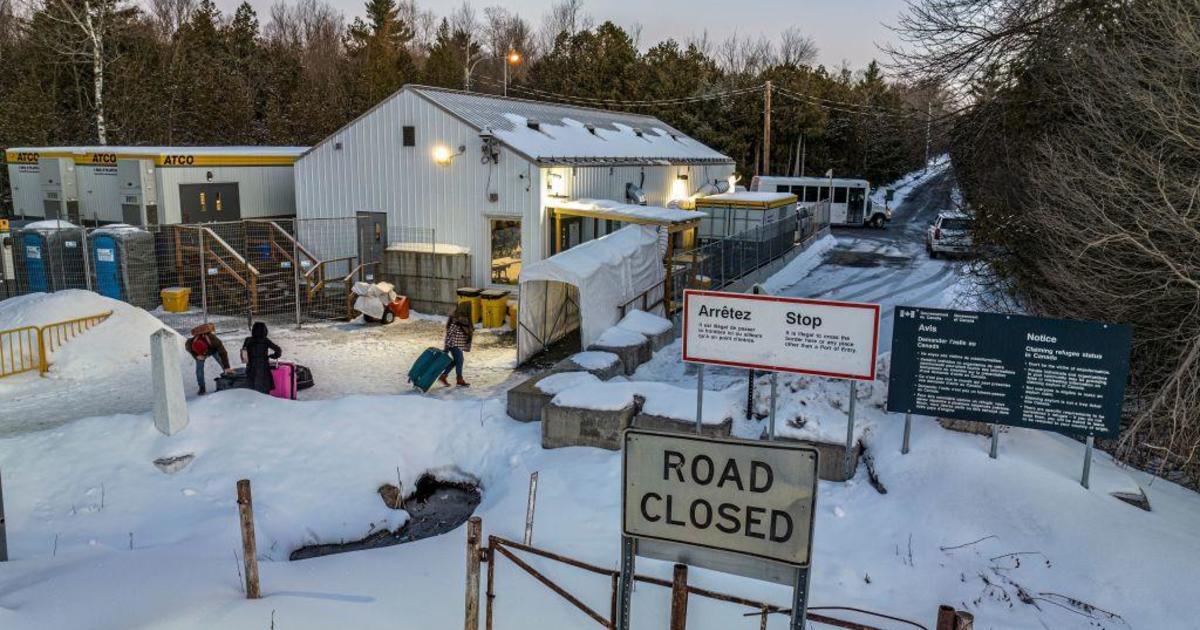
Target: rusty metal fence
column 759, row 612
column 281, row 270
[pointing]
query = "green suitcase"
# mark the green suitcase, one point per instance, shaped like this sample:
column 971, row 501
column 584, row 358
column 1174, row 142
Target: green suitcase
column 428, row 367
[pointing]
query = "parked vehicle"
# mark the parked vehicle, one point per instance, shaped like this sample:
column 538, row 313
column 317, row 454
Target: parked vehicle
column 851, row 204
column 950, row 233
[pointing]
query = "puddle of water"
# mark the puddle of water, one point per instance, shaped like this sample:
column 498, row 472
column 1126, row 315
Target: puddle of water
column 848, row 258
column 435, row 507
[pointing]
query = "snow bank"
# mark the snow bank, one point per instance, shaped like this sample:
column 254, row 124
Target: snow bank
column 618, row 337
column 645, row 323
column 50, row 224
column 652, row 213
column 660, row 399
column 801, row 265
column 902, row 187
column 119, row 344
column 594, row 359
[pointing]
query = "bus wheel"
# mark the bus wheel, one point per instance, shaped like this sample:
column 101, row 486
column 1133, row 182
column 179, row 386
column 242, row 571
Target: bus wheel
column 877, row 221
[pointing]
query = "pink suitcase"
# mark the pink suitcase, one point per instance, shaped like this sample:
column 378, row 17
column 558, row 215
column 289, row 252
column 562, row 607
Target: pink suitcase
column 284, row 376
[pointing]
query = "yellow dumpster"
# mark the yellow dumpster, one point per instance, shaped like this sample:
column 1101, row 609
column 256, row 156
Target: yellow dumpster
column 175, row 299
column 512, row 314
column 495, row 307
column 471, row 295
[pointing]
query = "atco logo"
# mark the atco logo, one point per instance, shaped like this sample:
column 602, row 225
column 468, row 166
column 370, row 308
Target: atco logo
column 104, row 158
column 27, row 158
column 179, row 160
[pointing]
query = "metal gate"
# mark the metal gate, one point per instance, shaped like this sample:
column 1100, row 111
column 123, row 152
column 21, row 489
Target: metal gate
column 498, row 547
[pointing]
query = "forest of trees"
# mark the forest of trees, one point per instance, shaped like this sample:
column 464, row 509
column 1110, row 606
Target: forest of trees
column 179, row 72
column 1080, row 158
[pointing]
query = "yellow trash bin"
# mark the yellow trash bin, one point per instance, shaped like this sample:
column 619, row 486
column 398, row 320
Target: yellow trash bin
column 471, row 295
column 495, row 307
column 512, row 314
column 175, row 299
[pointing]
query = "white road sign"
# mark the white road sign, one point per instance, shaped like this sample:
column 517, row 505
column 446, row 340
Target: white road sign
column 749, row 498
column 763, row 332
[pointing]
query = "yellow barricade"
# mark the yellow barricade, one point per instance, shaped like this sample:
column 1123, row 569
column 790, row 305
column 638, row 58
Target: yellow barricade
column 29, row 348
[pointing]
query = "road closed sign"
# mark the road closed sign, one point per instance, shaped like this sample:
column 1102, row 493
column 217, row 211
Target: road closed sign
column 763, row 332
column 750, row 498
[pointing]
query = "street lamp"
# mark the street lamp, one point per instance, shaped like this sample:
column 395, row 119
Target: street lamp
column 513, row 58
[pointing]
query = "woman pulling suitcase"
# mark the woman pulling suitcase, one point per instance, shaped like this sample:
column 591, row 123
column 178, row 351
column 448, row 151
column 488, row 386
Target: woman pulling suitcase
column 257, row 353
column 460, row 330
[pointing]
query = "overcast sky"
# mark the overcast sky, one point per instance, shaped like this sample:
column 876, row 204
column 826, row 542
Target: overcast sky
column 844, row 30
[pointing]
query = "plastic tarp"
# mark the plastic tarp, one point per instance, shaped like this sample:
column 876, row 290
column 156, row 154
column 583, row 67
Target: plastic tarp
column 584, row 288
column 136, row 278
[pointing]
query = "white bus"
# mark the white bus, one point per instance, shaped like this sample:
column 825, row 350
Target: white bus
column 851, row 198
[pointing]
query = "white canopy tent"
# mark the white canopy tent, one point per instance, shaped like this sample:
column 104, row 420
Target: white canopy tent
column 584, row 288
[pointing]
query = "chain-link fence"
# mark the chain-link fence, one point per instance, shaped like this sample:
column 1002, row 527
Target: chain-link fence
column 279, row 270
column 718, row 263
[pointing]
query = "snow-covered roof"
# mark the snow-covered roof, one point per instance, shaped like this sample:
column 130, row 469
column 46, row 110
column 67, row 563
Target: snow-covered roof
column 743, row 198
column 569, row 134
column 163, row 155
column 635, row 213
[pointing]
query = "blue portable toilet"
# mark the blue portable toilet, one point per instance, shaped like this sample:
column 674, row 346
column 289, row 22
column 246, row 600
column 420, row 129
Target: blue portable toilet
column 108, row 269
column 124, row 265
column 34, row 254
column 51, row 256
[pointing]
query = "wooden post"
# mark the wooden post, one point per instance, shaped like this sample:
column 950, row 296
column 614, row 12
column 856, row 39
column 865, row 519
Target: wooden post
column 679, row 598
column 945, row 618
column 474, row 531
column 530, row 506
column 3, row 535
column 249, row 549
column 766, row 159
column 964, row 620
column 489, row 556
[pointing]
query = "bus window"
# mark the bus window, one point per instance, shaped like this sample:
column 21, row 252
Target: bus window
column 810, row 194
column 782, row 188
column 839, row 195
column 822, row 193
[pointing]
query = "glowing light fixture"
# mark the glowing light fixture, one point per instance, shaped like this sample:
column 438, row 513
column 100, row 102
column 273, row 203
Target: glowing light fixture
column 556, row 185
column 679, row 188
column 514, row 57
column 443, row 156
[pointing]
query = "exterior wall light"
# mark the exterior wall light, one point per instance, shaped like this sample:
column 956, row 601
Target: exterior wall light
column 443, row 156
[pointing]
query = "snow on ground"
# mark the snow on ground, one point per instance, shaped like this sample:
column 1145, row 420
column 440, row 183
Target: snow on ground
column 801, row 265
column 101, row 538
column 905, row 185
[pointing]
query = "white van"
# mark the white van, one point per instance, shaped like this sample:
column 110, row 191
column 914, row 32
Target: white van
column 851, row 198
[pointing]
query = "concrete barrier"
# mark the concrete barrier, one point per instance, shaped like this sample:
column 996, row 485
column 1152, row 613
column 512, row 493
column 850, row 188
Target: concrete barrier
column 571, row 426
column 525, row 401
column 615, row 368
column 429, row 279
column 675, row 425
column 631, row 356
column 831, row 464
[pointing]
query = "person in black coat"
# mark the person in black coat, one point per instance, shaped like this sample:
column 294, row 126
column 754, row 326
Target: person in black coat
column 257, row 353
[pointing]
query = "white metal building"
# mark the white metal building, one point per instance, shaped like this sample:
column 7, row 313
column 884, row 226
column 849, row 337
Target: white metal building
column 477, row 170
column 151, row 185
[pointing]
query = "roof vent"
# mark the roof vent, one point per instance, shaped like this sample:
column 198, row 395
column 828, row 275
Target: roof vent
column 591, row 128
column 337, row 146
column 639, row 132
column 533, row 124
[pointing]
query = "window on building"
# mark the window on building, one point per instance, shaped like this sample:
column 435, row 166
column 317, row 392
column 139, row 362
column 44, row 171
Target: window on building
column 839, row 195
column 506, row 250
column 410, row 136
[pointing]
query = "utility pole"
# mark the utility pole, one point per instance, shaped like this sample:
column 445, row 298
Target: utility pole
column 766, row 161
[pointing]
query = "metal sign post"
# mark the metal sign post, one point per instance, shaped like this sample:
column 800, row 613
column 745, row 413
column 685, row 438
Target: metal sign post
column 1086, row 480
column 530, row 506
column 995, row 441
column 625, row 583
column 848, row 462
column 800, row 600
column 774, row 398
column 907, row 433
column 700, row 399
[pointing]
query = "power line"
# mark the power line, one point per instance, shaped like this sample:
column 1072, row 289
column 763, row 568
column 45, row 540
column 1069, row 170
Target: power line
column 587, row 100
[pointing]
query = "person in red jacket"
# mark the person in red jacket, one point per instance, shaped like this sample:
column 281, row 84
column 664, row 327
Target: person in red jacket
column 204, row 344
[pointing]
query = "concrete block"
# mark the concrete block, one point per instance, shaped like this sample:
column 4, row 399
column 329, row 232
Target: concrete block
column 631, row 356
column 170, row 406
column 615, row 368
column 661, row 340
column 662, row 423
column 525, row 401
column 831, row 459
column 569, row 426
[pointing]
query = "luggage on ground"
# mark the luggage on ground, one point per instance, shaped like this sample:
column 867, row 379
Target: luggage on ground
column 304, row 378
column 428, row 368
column 301, row 376
column 236, row 380
column 284, row 377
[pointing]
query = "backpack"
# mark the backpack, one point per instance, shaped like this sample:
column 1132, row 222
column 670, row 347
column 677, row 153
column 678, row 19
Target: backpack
column 200, row 347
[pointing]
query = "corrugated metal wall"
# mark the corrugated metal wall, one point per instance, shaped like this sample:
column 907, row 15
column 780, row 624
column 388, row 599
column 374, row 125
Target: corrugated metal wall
column 26, row 184
column 99, row 192
column 263, row 191
column 372, row 171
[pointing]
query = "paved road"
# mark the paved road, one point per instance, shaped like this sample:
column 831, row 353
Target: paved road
column 890, row 267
